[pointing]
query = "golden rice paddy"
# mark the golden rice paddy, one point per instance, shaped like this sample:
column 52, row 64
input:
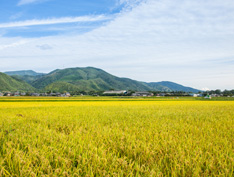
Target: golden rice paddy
column 117, row 138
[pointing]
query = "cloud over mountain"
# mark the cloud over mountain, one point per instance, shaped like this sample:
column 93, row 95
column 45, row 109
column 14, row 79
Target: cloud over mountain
column 189, row 42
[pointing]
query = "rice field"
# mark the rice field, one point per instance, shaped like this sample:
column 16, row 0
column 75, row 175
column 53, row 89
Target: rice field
column 117, row 138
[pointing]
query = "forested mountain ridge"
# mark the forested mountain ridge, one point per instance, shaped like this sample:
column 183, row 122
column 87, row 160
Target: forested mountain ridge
column 89, row 79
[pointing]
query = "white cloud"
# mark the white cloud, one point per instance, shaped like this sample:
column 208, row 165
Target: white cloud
column 205, row 89
column 44, row 47
column 156, row 40
column 14, row 44
column 54, row 21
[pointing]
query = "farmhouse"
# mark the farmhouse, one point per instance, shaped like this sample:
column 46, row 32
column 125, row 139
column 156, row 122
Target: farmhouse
column 115, row 92
column 35, row 94
column 22, row 94
column 195, row 95
column 65, row 94
column 142, row 94
column 216, row 95
column 16, row 94
column 7, row 94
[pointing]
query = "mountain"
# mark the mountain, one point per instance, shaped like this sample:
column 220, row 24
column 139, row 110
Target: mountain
column 62, row 87
column 87, row 79
column 24, row 73
column 7, row 83
column 27, row 78
column 174, row 86
column 156, row 86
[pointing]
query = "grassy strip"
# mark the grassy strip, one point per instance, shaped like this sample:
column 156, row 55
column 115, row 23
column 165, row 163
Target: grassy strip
column 23, row 99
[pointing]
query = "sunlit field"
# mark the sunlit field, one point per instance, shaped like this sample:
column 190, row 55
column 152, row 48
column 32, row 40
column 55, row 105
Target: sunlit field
column 105, row 137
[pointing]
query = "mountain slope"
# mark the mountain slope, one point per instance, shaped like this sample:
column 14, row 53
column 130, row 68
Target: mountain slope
column 26, row 75
column 23, row 73
column 83, row 79
column 27, row 78
column 175, row 87
column 158, row 87
column 61, row 87
column 88, row 79
column 7, row 83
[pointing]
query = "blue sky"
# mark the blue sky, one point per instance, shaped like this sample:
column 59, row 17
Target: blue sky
column 51, row 10
column 188, row 42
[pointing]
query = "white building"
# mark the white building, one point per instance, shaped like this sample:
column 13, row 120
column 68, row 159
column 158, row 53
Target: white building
column 143, row 94
column 66, row 94
column 117, row 92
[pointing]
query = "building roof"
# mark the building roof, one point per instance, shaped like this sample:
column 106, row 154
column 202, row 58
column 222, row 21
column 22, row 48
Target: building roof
column 115, row 92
